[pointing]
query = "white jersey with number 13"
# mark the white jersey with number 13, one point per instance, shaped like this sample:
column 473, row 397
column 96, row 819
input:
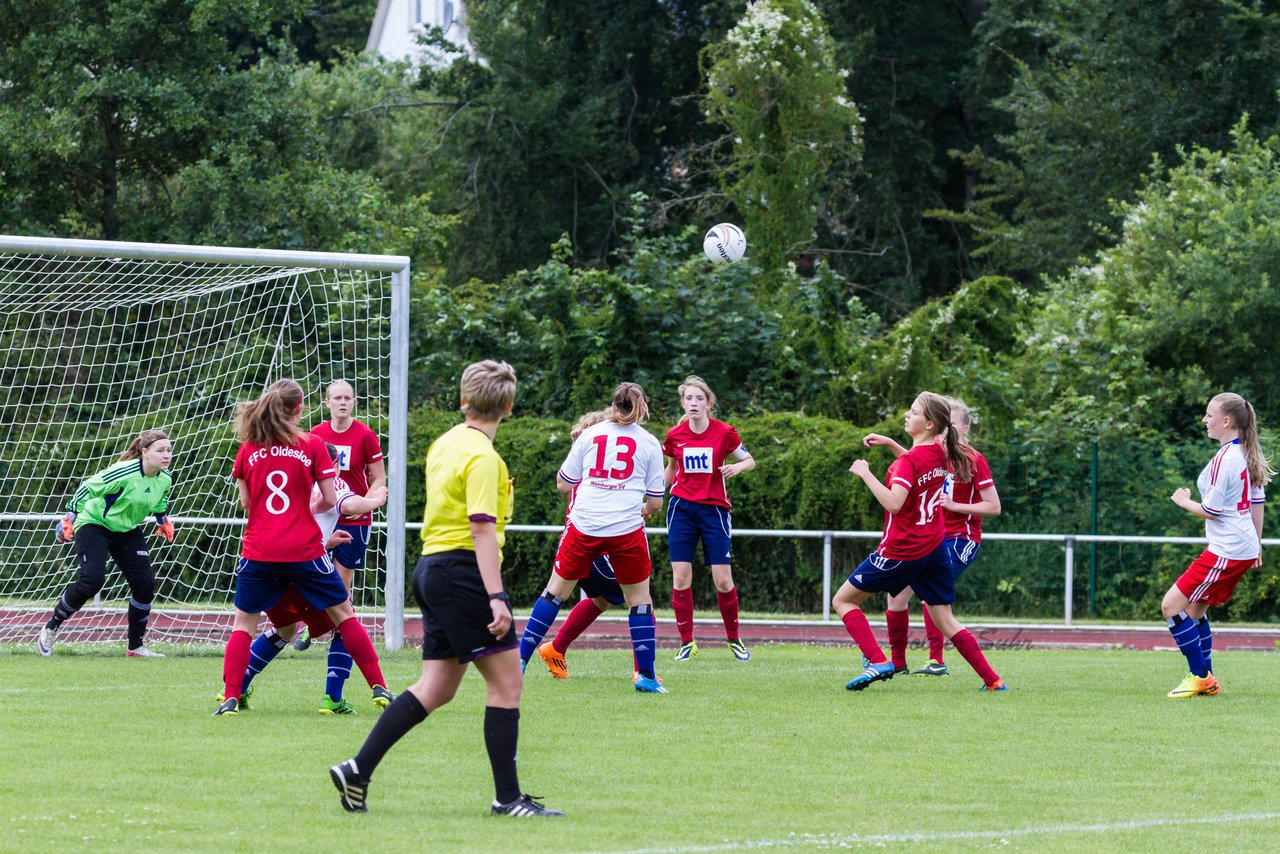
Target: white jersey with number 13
column 615, row 467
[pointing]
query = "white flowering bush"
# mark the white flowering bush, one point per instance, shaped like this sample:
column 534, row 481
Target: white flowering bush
column 774, row 83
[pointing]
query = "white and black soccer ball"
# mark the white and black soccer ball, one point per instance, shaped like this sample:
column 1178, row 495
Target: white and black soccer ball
column 724, row 243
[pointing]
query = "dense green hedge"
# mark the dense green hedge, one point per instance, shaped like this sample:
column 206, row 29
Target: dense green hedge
column 802, row 482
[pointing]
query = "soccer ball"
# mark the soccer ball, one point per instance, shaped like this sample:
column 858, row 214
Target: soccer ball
column 724, row 243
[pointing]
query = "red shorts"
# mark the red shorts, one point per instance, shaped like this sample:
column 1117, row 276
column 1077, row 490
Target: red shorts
column 292, row 607
column 628, row 553
column 1212, row 579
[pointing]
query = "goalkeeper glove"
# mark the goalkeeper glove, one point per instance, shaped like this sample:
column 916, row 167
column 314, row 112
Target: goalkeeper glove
column 165, row 528
column 64, row 530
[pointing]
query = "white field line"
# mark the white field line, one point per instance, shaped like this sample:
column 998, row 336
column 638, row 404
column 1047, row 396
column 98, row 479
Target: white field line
column 815, row 840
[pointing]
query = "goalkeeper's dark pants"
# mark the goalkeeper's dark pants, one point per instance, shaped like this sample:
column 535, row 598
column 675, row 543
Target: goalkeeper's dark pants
column 129, row 550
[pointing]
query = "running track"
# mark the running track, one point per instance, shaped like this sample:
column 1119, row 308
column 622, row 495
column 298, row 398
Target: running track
column 611, row 632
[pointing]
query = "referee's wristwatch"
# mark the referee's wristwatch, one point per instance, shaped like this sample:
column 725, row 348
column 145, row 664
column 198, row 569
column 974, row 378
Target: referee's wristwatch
column 501, row 596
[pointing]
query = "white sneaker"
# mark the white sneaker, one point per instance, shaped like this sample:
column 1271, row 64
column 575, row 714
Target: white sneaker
column 44, row 643
column 142, row 652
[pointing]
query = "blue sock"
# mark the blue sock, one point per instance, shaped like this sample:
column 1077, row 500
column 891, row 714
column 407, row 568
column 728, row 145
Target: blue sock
column 540, row 622
column 265, row 648
column 1187, row 636
column 644, row 634
column 339, row 668
column 1206, row 642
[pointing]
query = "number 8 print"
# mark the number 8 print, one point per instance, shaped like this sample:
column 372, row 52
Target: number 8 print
column 277, row 491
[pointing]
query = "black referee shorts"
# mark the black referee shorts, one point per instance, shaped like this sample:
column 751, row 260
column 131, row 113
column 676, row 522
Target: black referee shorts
column 455, row 608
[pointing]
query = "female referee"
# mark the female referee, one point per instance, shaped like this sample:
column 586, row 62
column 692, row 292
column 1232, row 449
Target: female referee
column 912, row 552
column 105, row 517
column 466, row 613
column 699, row 449
column 275, row 469
column 1231, row 497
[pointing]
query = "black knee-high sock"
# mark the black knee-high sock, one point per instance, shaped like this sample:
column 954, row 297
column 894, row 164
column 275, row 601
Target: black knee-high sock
column 501, row 734
column 404, row 713
column 61, row 613
column 138, row 615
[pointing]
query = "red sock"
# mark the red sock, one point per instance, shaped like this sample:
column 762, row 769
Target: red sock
column 967, row 645
column 582, row 615
column 934, row 634
column 729, row 613
column 860, row 630
column 362, row 652
column 234, row 661
column 898, row 624
column 682, row 602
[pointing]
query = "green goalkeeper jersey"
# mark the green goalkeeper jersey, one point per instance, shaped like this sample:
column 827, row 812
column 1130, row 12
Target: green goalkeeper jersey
column 120, row 498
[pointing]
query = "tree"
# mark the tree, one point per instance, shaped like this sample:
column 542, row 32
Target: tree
column 1181, row 305
column 571, row 110
column 1100, row 86
column 909, row 63
column 102, row 98
column 773, row 82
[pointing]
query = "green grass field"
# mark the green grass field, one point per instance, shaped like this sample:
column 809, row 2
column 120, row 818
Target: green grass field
column 1083, row 754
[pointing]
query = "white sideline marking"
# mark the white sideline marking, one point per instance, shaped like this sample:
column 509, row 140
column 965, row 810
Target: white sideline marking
column 825, row 840
column 72, row 689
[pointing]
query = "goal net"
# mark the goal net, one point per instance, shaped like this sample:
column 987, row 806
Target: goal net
column 99, row 341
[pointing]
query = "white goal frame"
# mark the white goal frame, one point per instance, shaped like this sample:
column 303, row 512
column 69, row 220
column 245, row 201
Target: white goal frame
column 397, row 402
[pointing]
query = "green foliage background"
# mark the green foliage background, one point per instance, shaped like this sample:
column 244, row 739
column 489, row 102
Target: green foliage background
column 1063, row 212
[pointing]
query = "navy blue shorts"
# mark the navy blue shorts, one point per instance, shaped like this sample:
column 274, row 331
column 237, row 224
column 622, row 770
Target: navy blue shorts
column 929, row 576
column 963, row 552
column 351, row 555
column 689, row 522
column 260, row 583
column 602, row 583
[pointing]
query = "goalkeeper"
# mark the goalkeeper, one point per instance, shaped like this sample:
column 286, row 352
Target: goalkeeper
column 105, row 517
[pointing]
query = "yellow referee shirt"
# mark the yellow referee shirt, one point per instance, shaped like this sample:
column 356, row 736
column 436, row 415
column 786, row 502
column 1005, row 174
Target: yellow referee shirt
column 466, row 480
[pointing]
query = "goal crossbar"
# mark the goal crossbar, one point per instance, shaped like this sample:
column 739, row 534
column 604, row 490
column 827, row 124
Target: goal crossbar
column 52, row 302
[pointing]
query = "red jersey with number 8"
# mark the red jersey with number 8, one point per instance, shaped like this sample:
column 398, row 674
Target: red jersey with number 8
column 281, row 526
column 615, row 468
column 917, row 528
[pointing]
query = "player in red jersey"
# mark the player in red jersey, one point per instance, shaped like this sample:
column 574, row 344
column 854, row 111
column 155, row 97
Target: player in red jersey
column 1231, row 500
column 275, row 468
column 361, row 465
column 699, row 450
column 912, row 551
column 963, row 506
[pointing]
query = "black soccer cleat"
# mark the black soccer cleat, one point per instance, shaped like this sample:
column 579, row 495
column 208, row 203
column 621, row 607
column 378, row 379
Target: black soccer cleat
column 350, row 785
column 524, row 806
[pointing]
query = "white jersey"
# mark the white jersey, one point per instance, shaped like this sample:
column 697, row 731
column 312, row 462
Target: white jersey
column 1227, row 496
column 328, row 520
column 615, row 468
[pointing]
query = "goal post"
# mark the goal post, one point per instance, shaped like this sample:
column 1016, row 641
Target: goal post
column 100, row 340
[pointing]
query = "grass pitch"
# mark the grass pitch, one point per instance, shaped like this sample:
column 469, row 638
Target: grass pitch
column 1083, row 754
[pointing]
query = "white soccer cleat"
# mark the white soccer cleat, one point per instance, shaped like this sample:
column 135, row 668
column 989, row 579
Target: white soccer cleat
column 142, row 652
column 44, row 643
